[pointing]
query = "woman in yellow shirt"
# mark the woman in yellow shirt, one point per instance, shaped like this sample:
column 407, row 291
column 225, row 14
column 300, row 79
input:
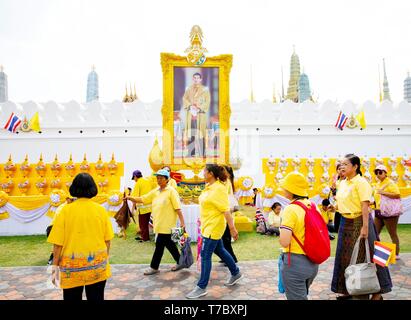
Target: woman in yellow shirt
column 81, row 235
column 299, row 274
column 353, row 202
column 166, row 207
column 214, row 212
column 387, row 188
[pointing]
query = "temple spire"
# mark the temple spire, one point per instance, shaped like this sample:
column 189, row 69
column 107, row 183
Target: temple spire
column 385, row 84
column 274, row 95
column 252, row 100
column 407, row 88
column 292, row 91
column 282, row 85
column 92, row 85
column 3, row 86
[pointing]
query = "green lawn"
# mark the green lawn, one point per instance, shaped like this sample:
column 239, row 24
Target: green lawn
column 34, row 250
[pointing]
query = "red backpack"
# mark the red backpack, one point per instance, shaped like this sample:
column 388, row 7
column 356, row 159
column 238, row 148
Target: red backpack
column 316, row 246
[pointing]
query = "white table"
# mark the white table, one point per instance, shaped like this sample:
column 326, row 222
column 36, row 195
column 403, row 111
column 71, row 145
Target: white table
column 191, row 213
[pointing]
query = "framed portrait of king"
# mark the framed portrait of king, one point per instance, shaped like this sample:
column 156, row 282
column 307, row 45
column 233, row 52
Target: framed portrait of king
column 196, row 111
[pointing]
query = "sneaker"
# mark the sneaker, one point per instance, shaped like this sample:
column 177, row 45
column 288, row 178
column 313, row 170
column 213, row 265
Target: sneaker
column 234, row 279
column 151, row 271
column 196, row 293
column 177, row 267
column 138, row 238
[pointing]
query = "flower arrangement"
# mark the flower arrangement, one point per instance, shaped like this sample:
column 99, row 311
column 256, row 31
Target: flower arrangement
column 10, row 168
column 57, row 197
column 7, row 186
column 56, row 183
column 25, row 167
column 56, row 167
column 179, row 236
column 115, row 198
column 41, row 185
column 112, row 166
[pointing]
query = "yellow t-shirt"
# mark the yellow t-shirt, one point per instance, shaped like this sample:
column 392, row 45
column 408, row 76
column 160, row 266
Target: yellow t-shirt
column 350, row 194
column 389, row 186
column 293, row 220
column 273, row 219
column 164, row 205
column 172, row 183
column 213, row 203
column 82, row 228
column 327, row 215
column 142, row 187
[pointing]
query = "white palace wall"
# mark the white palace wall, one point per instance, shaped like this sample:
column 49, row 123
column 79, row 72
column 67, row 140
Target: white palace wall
column 258, row 130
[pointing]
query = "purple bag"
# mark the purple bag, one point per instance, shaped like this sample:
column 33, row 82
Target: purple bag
column 390, row 207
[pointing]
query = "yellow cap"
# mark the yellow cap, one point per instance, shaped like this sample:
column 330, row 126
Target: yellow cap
column 296, row 183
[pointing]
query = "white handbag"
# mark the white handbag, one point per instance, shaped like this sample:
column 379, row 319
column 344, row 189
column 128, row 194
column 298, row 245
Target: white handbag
column 361, row 278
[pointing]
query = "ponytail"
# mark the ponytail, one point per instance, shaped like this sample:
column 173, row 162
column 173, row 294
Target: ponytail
column 219, row 172
column 355, row 160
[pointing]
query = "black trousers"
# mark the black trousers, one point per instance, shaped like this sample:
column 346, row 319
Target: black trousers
column 164, row 241
column 227, row 243
column 94, row 292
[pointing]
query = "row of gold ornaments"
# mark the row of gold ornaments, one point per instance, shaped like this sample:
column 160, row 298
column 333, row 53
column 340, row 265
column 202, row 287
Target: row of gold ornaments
column 71, row 169
column 188, row 195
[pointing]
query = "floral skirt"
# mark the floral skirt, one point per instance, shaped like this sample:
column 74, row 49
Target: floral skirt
column 348, row 234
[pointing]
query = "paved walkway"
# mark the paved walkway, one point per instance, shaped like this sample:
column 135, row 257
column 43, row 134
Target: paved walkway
column 129, row 283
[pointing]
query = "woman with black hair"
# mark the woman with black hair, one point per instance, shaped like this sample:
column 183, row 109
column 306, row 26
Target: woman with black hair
column 353, row 202
column 338, row 177
column 230, row 190
column 214, row 212
column 81, row 236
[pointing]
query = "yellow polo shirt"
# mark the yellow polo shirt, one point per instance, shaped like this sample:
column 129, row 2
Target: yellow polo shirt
column 327, row 215
column 82, row 229
column 164, row 205
column 389, row 186
column 172, row 183
column 293, row 219
column 350, row 194
column 142, row 187
column 213, row 203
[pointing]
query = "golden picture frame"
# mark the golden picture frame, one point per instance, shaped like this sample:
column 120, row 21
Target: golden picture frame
column 182, row 148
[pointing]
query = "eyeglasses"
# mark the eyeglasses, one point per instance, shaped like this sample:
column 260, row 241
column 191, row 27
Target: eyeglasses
column 379, row 172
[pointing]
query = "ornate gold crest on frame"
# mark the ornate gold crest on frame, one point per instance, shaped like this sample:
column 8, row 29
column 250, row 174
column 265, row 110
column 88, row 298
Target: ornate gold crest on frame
column 196, row 107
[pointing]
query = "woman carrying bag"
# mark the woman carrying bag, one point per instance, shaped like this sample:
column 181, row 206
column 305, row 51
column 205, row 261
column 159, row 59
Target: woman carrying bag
column 353, row 202
column 388, row 207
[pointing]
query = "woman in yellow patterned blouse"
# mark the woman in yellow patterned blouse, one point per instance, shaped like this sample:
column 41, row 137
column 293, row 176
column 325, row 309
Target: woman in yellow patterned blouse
column 81, row 235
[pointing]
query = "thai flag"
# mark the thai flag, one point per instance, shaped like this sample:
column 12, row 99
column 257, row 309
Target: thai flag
column 341, row 121
column 13, row 123
column 381, row 254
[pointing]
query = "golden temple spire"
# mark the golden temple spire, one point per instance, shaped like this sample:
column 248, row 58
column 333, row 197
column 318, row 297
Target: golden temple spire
column 135, row 92
column 252, row 100
column 274, row 95
column 379, row 82
column 126, row 97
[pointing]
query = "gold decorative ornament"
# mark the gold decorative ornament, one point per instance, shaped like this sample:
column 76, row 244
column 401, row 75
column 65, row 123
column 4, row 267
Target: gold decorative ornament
column 196, row 52
column 41, row 167
column 100, row 166
column 55, row 183
column 56, row 167
column 268, row 191
column 10, row 168
column 84, row 166
column 25, row 167
column 7, row 186
column 70, row 167
column 41, row 185
column 155, row 157
column 112, row 166
column 103, row 184
column 246, row 183
column 24, row 186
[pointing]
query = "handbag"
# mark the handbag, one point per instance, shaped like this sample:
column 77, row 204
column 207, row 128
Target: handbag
column 390, row 207
column 361, row 278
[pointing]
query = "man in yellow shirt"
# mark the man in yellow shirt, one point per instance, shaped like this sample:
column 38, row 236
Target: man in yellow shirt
column 142, row 187
column 166, row 207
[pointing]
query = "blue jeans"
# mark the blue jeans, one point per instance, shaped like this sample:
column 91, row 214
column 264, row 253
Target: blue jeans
column 209, row 247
